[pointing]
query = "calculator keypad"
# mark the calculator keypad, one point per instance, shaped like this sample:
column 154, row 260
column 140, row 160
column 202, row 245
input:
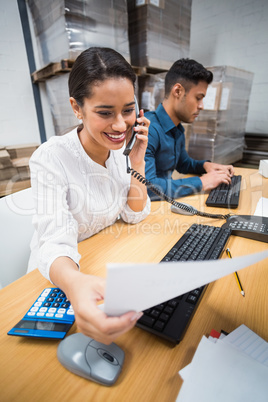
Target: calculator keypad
column 51, row 304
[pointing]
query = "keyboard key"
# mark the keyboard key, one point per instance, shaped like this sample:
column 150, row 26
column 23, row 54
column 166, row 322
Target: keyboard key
column 191, row 299
column 196, row 292
column 168, row 310
column 155, row 313
column 159, row 325
column 164, row 317
column 173, row 303
column 146, row 320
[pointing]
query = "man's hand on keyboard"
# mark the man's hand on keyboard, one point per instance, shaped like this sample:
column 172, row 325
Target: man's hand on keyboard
column 214, row 178
column 217, row 167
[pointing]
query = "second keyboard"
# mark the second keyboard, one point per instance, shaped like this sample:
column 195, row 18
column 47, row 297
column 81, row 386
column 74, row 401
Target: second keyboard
column 225, row 196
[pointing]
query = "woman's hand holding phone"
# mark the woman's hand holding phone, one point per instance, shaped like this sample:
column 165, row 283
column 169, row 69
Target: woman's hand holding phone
column 137, row 145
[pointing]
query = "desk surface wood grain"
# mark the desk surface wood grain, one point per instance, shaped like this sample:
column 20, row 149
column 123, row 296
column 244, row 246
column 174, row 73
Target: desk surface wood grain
column 29, row 367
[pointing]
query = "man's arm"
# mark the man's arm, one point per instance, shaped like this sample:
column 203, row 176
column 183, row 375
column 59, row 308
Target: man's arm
column 173, row 188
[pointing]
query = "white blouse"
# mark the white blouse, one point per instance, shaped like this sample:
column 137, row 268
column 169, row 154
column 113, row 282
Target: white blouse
column 75, row 198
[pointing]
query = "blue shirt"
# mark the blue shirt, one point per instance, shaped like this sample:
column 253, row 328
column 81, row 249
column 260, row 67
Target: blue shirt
column 165, row 153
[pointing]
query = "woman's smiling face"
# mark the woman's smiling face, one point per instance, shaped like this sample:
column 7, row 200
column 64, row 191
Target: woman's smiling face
column 108, row 116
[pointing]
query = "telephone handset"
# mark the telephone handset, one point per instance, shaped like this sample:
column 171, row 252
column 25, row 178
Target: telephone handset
column 249, row 226
column 133, row 138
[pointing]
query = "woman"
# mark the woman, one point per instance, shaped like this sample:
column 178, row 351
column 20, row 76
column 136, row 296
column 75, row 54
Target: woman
column 80, row 184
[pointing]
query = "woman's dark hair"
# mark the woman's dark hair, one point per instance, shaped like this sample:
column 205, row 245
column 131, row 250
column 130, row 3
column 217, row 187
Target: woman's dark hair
column 94, row 65
column 187, row 72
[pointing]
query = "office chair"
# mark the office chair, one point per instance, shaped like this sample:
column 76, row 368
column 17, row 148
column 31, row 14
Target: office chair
column 16, row 230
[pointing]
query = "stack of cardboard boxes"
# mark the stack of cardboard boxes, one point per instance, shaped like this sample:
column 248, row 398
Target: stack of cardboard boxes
column 151, row 90
column 14, row 168
column 64, row 28
column 159, row 31
column 218, row 134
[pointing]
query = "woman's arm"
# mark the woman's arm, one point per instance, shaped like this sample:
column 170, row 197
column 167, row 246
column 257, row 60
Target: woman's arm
column 58, row 256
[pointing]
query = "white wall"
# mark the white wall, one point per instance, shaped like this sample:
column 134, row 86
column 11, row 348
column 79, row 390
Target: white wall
column 235, row 33
column 18, row 119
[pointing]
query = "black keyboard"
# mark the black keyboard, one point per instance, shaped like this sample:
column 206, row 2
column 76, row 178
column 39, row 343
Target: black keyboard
column 170, row 320
column 225, row 195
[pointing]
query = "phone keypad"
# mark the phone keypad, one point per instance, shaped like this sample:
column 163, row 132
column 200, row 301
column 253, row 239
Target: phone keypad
column 248, row 225
column 51, row 304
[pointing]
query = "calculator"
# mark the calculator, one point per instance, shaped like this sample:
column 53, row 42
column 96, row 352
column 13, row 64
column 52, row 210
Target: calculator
column 51, row 316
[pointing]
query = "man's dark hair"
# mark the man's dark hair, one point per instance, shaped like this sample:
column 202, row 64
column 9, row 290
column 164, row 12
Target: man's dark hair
column 187, row 72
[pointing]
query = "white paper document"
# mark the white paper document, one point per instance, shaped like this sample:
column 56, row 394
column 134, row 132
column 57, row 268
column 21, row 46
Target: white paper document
column 221, row 372
column 243, row 339
column 262, row 207
column 136, row 287
column 250, row 343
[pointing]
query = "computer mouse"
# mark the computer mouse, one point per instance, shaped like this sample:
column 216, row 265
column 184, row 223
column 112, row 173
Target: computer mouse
column 90, row 359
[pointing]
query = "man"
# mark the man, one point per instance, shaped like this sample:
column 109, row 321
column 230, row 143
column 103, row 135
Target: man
column 185, row 87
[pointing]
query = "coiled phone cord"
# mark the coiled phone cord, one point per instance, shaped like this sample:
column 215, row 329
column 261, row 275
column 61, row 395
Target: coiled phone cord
column 187, row 208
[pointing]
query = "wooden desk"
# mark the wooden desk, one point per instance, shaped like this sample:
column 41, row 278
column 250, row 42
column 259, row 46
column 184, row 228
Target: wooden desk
column 30, row 370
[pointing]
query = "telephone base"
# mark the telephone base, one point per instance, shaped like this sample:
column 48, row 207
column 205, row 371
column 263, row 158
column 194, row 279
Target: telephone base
column 248, row 226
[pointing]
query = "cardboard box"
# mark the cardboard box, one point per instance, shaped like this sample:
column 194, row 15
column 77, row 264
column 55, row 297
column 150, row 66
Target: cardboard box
column 21, row 150
column 205, row 127
column 9, row 187
column 21, row 162
column 5, row 160
column 159, row 35
column 8, row 173
column 15, row 173
column 14, row 168
column 151, row 90
column 219, row 131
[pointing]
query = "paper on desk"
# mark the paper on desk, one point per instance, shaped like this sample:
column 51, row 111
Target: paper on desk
column 262, row 207
column 250, row 343
column 136, row 287
column 243, row 339
column 220, row 372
